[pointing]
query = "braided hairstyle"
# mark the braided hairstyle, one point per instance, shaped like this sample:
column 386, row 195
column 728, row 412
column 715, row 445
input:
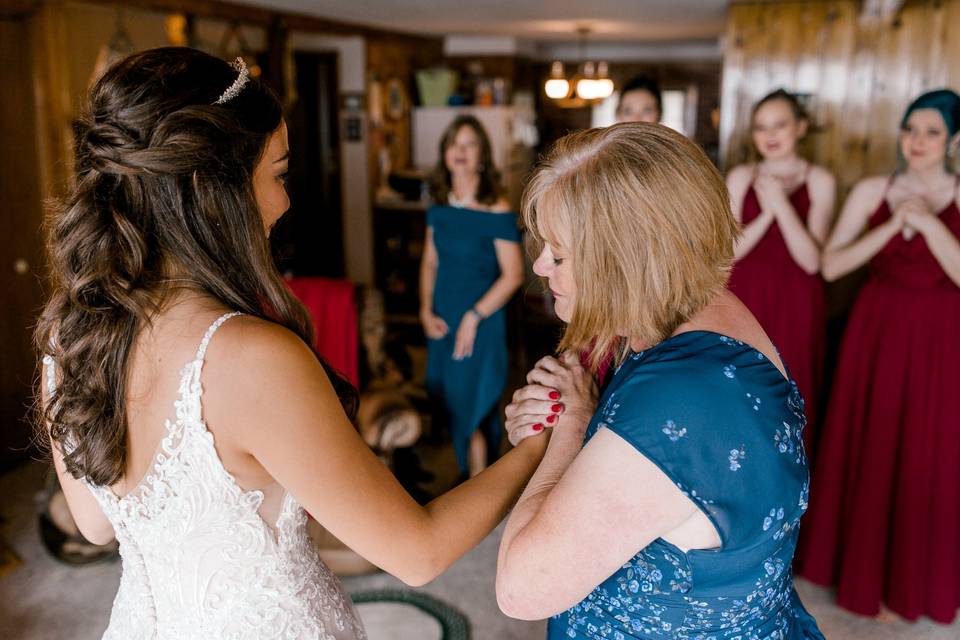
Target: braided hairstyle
column 162, row 189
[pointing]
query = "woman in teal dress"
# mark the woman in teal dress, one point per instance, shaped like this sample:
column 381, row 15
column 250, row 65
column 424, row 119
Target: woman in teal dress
column 670, row 506
column 471, row 267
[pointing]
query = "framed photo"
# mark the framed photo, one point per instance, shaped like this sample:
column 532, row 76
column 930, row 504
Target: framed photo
column 396, row 99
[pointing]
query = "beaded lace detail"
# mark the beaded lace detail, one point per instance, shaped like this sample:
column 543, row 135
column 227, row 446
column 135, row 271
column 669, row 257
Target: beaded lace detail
column 199, row 561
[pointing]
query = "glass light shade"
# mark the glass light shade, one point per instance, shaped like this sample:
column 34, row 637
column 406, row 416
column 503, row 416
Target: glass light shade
column 604, row 88
column 587, row 89
column 557, row 88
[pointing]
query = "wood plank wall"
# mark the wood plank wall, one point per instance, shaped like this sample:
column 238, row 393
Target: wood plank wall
column 861, row 74
column 397, row 57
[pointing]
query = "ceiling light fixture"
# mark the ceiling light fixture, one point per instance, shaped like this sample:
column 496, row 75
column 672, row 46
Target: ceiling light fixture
column 589, row 85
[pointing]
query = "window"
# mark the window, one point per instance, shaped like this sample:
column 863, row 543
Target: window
column 679, row 110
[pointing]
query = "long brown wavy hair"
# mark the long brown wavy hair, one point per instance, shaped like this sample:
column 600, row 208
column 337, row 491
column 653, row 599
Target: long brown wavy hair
column 489, row 188
column 162, row 187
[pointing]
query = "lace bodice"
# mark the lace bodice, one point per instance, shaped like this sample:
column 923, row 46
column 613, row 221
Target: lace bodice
column 199, row 559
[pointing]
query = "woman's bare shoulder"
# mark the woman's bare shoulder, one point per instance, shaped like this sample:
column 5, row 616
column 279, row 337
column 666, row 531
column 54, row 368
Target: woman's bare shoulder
column 820, row 175
column 741, row 174
column 500, row 206
column 256, row 343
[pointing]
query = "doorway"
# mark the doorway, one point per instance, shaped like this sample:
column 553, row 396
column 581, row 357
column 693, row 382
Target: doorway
column 308, row 240
column 21, row 243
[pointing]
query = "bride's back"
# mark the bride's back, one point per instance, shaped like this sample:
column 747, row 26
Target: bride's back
column 163, row 241
column 202, row 556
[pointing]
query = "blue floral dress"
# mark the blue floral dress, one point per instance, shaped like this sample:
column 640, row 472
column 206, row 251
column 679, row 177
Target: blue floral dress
column 721, row 421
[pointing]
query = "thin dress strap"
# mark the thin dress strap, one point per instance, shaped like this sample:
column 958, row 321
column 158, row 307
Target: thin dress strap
column 886, row 189
column 202, row 351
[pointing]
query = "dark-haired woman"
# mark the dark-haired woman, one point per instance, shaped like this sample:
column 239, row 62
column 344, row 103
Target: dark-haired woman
column 640, row 101
column 884, row 522
column 785, row 205
column 187, row 413
column 471, row 267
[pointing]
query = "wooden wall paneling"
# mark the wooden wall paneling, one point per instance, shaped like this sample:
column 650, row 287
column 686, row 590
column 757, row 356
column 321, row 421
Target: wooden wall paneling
column 741, row 83
column 47, row 29
column 396, row 57
column 836, row 47
column 895, row 70
column 949, row 63
column 21, row 250
column 862, row 73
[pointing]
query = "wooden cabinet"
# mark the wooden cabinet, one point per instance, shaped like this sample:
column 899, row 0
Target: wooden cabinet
column 398, row 234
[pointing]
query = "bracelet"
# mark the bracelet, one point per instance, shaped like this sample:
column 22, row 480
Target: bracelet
column 479, row 315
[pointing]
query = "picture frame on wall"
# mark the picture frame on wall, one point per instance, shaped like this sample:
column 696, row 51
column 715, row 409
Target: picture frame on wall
column 397, row 101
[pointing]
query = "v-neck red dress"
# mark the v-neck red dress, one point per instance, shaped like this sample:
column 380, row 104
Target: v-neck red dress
column 884, row 517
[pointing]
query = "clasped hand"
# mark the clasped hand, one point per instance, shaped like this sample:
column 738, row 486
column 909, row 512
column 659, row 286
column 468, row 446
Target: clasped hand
column 559, row 393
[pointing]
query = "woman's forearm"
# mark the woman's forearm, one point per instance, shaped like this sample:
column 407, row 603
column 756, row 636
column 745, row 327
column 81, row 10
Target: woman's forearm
column 562, row 450
column 428, row 277
column 498, row 294
column 839, row 262
column 752, row 233
column 459, row 519
column 800, row 244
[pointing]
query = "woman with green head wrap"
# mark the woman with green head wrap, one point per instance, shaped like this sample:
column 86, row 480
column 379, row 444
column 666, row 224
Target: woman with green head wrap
column 884, row 518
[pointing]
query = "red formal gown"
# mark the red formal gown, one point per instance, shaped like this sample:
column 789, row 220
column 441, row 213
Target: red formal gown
column 884, row 517
column 787, row 301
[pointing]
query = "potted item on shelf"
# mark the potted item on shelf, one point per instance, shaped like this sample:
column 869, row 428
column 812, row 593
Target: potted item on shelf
column 435, row 86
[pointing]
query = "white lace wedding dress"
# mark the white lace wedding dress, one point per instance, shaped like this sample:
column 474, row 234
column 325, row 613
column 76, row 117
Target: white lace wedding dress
column 200, row 561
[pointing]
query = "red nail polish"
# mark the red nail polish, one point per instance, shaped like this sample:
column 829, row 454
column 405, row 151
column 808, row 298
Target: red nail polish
column 551, row 419
column 538, row 427
column 556, row 408
column 554, row 395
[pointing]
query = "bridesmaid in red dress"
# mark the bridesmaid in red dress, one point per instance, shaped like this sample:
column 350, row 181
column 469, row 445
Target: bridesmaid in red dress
column 884, row 518
column 786, row 205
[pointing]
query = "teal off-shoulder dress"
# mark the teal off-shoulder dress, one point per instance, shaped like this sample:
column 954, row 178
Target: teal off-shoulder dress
column 469, row 389
column 721, row 421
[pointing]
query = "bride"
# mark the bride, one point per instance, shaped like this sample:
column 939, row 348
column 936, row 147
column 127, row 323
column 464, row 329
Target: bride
column 186, row 412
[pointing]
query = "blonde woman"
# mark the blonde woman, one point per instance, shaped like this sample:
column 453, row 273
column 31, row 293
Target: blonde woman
column 670, row 508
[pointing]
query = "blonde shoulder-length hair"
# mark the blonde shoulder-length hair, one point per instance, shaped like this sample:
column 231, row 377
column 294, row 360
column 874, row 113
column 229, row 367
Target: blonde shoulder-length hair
column 647, row 224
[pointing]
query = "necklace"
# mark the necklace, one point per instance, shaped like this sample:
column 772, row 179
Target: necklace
column 454, row 201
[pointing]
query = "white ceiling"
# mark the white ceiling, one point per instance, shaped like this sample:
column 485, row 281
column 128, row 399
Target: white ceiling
column 538, row 21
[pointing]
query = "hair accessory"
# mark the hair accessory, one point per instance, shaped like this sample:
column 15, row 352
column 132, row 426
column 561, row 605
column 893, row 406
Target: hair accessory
column 234, row 89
